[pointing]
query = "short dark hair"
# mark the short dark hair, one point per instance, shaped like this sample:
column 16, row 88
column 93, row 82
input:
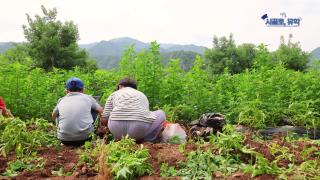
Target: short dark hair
column 128, row 82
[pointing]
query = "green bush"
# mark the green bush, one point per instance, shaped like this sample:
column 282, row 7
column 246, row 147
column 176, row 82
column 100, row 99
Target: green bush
column 24, row 137
column 260, row 97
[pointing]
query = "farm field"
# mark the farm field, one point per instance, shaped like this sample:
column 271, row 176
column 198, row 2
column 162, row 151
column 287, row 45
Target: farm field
column 254, row 91
column 257, row 98
column 30, row 151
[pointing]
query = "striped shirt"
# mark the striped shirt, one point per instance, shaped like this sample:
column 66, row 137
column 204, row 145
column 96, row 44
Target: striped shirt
column 128, row 104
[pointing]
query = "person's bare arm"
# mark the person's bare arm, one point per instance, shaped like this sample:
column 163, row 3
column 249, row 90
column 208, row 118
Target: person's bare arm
column 8, row 113
column 54, row 116
column 100, row 110
column 104, row 121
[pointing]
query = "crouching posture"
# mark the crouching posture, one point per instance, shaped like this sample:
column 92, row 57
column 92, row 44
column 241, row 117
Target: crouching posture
column 73, row 114
column 127, row 113
column 3, row 110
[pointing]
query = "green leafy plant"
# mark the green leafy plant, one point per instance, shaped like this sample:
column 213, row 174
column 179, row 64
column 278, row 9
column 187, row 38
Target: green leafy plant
column 174, row 140
column 85, row 155
column 258, row 97
column 202, row 165
column 61, row 172
column 227, row 141
column 126, row 159
column 262, row 166
column 198, row 164
column 17, row 137
column 281, row 152
column 167, row 171
column 308, row 170
column 31, row 163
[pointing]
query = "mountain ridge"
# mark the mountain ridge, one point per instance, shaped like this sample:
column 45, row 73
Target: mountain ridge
column 126, row 41
column 316, row 53
column 108, row 53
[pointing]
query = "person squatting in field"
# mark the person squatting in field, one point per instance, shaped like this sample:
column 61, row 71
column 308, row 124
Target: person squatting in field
column 126, row 112
column 73, row 114
column 3, row 109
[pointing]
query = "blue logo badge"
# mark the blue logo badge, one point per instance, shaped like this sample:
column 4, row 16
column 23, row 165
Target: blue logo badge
column 283, row 21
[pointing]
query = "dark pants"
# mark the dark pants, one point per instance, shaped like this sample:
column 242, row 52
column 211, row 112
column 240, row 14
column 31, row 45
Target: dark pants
column 94, row 115
column 75, row 143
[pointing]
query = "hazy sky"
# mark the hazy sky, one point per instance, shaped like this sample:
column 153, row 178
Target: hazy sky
column 171, row 21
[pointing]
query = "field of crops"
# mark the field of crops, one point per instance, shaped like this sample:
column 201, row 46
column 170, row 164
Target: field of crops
column 30, row 151
column 257, row 98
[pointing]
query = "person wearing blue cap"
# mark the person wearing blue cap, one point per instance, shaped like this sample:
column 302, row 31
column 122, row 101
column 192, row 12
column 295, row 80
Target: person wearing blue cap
column 73, row 114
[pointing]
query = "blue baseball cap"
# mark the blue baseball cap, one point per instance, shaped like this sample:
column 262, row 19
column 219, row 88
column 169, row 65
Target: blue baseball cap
column 74, row 84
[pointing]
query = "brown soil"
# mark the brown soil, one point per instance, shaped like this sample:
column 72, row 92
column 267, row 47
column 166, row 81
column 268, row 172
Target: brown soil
column 64, row 157
column 165, row 153
column 246, row 176
column 260, row 147
column 4, row 161
column 67, row 158
column 295, row 149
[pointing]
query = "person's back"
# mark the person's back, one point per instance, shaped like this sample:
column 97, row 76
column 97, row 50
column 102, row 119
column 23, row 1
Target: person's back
column 75, row 119
column 73, row 114
column 127, row 113
column 130, row 104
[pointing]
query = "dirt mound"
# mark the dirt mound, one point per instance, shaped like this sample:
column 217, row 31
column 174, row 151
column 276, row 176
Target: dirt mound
column 64, row 157
column 295, row 148
column 165, row 153
column 3, row 164
column 4, row 161
column 259, row 147
column 247, row 176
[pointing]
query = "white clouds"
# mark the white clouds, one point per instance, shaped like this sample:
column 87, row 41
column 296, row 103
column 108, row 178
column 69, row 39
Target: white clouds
column 179, row 21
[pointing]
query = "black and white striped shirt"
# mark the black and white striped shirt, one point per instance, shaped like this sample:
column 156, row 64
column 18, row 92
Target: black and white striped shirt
column 128, row 104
